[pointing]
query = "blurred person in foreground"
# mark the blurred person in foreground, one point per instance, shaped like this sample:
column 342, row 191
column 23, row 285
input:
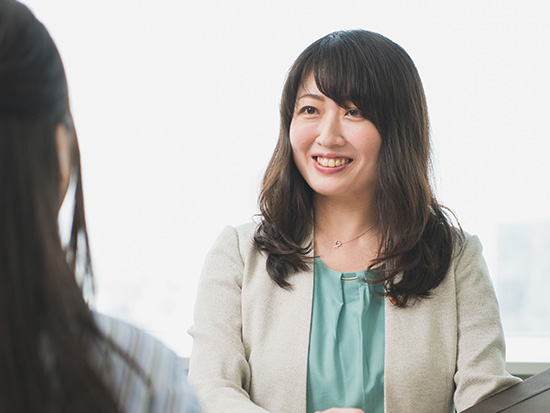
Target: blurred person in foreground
column 56, row 354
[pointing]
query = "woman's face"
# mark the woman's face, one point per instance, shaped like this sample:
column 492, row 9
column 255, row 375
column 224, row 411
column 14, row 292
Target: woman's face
column 335, row 149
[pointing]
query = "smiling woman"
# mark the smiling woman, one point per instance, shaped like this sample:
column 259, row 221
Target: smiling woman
column 355, row 284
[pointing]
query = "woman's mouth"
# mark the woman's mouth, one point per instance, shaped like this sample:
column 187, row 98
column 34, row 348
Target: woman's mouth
column 332, row 162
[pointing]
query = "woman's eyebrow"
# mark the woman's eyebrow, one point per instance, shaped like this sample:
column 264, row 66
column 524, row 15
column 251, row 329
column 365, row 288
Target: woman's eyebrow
column 311, row 95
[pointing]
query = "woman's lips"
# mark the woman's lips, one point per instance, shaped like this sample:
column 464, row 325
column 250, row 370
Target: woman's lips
column 331, row 164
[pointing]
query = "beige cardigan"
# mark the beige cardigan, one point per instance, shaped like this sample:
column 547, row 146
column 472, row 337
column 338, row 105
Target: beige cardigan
column 251, row 337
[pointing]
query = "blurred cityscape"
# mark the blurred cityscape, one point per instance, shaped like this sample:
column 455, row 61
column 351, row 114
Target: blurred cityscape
column 523, row 280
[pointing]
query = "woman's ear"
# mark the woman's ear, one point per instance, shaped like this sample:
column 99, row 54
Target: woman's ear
column 64, row 143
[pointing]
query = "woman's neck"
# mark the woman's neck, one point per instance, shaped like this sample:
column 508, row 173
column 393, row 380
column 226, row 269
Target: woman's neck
column 346, row 236
column 344, row 218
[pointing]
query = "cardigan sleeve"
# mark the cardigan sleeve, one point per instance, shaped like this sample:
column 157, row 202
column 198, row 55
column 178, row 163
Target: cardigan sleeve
column 219, row 369
column 480, row 366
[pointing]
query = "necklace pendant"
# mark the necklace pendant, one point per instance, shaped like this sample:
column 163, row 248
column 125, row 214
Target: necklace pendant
column 337, row 244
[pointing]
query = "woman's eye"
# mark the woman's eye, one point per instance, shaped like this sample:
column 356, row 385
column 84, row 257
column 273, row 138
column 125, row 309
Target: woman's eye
column 308, row 110
column 354, row 113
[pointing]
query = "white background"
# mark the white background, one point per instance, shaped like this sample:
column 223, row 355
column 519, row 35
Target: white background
column 176, row 108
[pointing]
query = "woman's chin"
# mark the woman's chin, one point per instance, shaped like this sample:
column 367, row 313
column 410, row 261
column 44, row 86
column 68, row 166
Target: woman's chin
column 332, row 193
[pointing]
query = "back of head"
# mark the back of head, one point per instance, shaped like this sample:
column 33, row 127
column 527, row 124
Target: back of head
column 46, row 328
column 33, row 100
column 31, row 73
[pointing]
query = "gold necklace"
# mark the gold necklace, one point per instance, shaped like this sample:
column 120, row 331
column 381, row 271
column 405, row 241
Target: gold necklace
column 337, row 243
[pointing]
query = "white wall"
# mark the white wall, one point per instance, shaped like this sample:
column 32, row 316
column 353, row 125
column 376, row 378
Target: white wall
column 176, row 107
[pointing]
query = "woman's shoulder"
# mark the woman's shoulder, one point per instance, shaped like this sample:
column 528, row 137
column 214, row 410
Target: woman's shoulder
column 240, row 236
column 466, row 246
column 127, row 336
column 242, row 231
column 468, row 267
column 142, row 370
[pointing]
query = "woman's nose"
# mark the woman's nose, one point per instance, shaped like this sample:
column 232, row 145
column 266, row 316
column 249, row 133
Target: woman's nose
column 331, row 133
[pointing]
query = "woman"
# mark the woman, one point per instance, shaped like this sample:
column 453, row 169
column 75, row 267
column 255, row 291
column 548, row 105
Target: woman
column 56, row 354
column 355, row 292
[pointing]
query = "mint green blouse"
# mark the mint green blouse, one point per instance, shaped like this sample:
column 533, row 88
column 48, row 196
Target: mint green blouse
column 346, row 344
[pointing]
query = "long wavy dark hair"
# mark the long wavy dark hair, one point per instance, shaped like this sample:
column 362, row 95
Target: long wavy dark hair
column 47, row 330
column 417, row 233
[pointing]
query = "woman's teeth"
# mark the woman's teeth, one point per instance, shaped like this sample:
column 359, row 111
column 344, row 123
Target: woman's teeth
column 332, row 162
